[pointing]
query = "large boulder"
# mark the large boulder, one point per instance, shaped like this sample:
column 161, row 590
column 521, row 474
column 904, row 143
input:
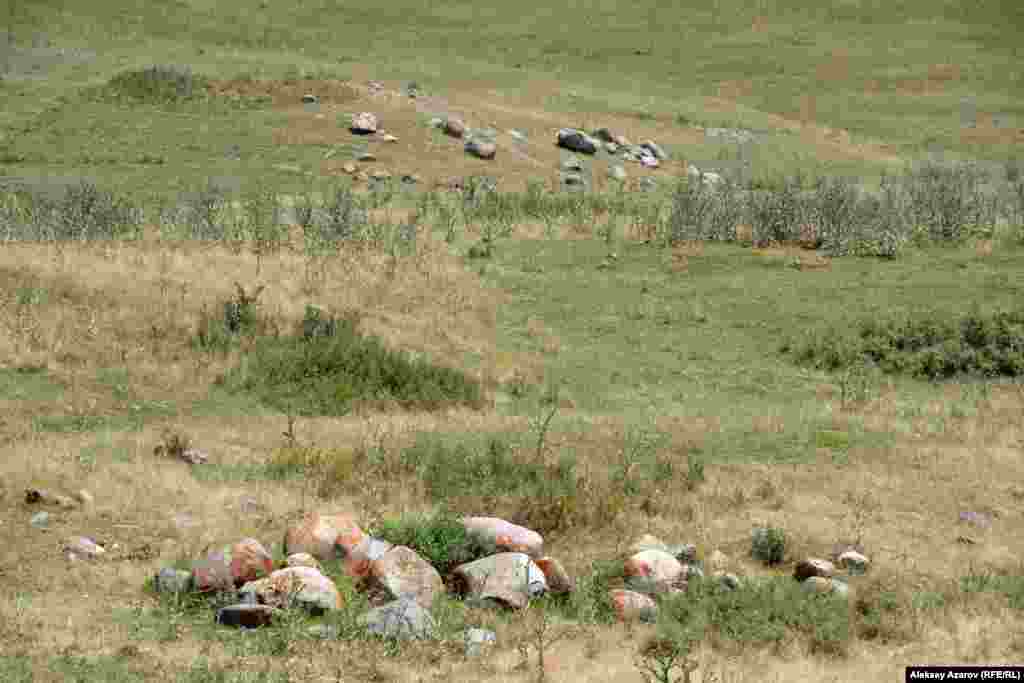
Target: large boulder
column 402, row 573
column 654, row 571
column 325, row 537
column 505, row 535
column 403, row 619
column 511, row 579
column 302, row 586
column 232, row 566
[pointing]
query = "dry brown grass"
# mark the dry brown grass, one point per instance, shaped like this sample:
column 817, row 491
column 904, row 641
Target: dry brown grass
column 135, row 306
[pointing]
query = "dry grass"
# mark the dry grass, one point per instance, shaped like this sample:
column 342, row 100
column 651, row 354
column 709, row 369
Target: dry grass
column 135, row 307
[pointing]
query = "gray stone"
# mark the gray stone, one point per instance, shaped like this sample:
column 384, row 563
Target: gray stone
column 40, row 519
column 576, row 141
column 403, row 619
column 654, row 149
column 617, row 172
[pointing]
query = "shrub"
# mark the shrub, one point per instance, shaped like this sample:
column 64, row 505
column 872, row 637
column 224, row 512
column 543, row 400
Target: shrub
column 769, row 545
column 925, row 346
column 160, row 84
column 327, row 374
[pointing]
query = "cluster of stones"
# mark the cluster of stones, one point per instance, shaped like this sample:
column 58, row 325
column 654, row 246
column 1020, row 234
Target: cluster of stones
column 648, row 153
column 401, row 585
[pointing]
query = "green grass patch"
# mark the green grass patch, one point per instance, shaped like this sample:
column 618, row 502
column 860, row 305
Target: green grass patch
column 760, row 612
column 1010, row 586
column 101, row 669
column 488, row 469
column 929, row 346
column 29, row 383
column 159, row 84
column 325, row 374
column 248, row 471
column 16, row 669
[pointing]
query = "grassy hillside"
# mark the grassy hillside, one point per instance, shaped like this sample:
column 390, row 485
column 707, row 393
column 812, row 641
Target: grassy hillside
column 192, row 256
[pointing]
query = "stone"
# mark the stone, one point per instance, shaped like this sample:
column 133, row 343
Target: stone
column 325, row 537
column 505, row 535
column 558, row 580
column 389, row 138
column 194, row 456
column 481, row 149
column 304, row 586
column 84, row 548
column 309, row 98
column 617, row 173
column 648, row 184
column 404, row 619
column 853, row 562
column 603, row 134
column 611, row 147
column 813, row 567
column 402, row 573
column 510, row 578
column 576, row 141
column 364, row 123
column 658, row 566
column 655, row 150
column 245, row 616
column 380, row 175
column 366, row 156
column 436, row 122
column 40, row 519
column 348, row 167
column 232, row 566
column 454, row 127
column 517, row 135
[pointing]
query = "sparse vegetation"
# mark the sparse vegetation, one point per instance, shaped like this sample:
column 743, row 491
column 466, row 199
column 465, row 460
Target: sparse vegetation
column 178, row 187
